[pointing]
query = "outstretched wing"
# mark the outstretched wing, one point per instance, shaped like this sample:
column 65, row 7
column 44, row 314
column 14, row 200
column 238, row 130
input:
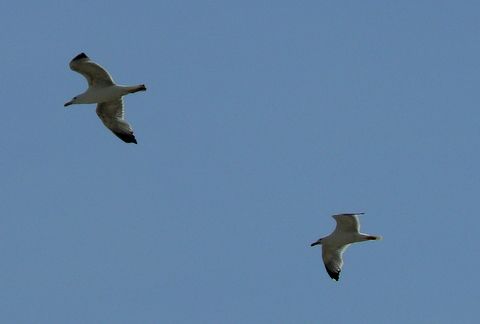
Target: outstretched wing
column 332, row 258
column 94, row 73
column 347, row 223
column 112, row 115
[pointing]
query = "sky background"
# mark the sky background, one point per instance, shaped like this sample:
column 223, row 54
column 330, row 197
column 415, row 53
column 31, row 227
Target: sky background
column 261, row 119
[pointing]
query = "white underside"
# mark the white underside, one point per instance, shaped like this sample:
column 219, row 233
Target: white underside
column 102, row 94
column 338, row 239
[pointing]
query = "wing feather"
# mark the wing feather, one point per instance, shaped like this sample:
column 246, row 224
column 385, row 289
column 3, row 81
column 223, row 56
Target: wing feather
column 95, row 74
column 347, row 222
column 112, row 114
column 332, row 258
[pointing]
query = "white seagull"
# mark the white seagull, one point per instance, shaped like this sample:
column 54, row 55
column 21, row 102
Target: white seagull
column 333, row 246
column 103, row 91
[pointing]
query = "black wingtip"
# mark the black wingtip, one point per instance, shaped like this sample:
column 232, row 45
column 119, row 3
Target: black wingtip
column 127, row 138
column 334, row 275
column 349, row 214
column 80, row 56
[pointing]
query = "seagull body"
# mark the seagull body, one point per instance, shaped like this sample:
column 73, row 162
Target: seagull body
column 103, row 91
column 346, row 232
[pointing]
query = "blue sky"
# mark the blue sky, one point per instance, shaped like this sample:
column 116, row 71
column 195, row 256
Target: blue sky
column 261, row 119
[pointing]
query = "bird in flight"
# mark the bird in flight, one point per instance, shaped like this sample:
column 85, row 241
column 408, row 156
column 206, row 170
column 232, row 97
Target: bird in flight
column 346, row 232
column 103, row 91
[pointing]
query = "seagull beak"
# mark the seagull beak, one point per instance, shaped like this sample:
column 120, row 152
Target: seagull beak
column 68, row 103
column 316, row 243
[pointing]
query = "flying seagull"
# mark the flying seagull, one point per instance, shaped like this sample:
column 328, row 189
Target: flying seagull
column 333, row 246
column 103, row 91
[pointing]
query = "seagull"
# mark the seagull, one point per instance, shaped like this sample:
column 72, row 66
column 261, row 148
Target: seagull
column 103, row 91
column 333, row 246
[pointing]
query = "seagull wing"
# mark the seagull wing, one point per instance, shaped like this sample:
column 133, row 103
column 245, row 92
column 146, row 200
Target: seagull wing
column 94, row 73
column 332, row 258
column 347, row 223
column 112, row 115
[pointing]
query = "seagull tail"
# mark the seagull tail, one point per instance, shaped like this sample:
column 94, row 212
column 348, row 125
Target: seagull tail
column 374, row 237
column 136, row 88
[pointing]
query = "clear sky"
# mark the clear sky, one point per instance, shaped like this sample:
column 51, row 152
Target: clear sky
column 261, row 119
